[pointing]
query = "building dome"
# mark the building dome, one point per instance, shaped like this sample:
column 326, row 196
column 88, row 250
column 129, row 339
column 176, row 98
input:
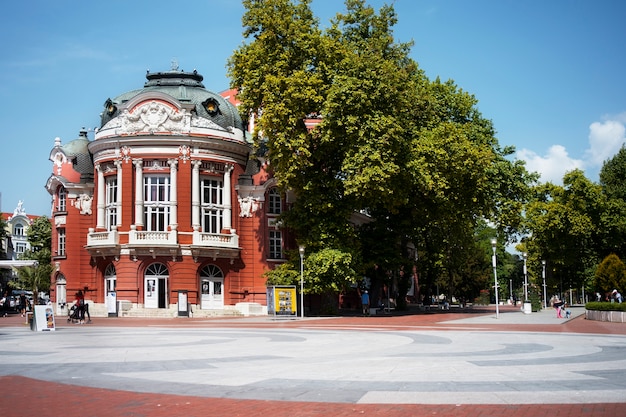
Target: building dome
column 185, row 88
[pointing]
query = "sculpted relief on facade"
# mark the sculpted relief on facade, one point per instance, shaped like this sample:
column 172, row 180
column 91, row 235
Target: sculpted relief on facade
column 248, row 206
column 154, row 117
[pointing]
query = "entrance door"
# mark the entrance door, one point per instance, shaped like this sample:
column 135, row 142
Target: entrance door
column 211, row 285
column 155, row 286
column 61, row 295
column 110, row 281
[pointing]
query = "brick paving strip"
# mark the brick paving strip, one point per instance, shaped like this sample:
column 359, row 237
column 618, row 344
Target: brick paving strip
column 27, row 397
column 24, row 397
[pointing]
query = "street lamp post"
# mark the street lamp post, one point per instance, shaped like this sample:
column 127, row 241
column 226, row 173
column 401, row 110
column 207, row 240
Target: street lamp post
column 301, row 250
column 495, row 275
column 545, row 293
column 525, row 255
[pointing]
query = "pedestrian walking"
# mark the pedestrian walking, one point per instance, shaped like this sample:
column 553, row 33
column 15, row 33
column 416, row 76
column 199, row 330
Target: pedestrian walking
column 365, row 302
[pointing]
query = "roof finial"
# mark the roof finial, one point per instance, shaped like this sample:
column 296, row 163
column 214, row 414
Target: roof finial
column 174, row 65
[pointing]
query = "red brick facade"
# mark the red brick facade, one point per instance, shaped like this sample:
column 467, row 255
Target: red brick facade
column 165, row 199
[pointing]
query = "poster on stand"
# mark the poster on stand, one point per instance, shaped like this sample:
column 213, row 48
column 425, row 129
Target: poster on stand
column 44, row 319
column 281, row 301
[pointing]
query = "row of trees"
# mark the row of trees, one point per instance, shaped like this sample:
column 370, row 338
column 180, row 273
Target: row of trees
column 412, row 153
column 578, row 226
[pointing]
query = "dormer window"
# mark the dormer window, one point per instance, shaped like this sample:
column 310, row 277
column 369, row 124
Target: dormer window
column 18, row 230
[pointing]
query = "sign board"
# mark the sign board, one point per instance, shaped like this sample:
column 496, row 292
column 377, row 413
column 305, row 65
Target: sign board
column 111, row 302
column 183, row 310
column 282, row 301
column 44, row 318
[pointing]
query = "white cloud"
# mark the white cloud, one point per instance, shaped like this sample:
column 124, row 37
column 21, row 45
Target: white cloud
column 605, row 140
column 553, row 165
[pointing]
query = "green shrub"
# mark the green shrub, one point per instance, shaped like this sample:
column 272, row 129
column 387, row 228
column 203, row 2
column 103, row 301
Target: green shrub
column 604, row 306
column 535, row 301
column 483, row 298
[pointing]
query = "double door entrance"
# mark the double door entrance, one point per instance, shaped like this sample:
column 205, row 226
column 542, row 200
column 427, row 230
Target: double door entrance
column 211, row 287
column 155, row 286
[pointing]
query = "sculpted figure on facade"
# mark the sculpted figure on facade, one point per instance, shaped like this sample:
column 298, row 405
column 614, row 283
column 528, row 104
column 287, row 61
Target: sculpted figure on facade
column 83, row 203
column 248, row 206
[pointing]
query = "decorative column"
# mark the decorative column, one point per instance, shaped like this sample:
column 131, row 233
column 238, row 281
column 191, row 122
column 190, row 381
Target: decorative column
column 118, row 200
column 138, row 192
column 101, row 199
column 173, row 193
column 195, row 195
column 228, row 208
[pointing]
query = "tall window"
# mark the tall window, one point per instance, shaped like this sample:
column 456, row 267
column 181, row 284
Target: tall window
column 276, row 244
column 274, row 201
column 212, row 205
column 20, row 248
column 156, row 202
column 61, row 241
column 18, row 230
column 111, row 202
column 61, row 199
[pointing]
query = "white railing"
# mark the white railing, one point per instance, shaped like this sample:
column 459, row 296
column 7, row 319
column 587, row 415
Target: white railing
column 222, row 240
column 109, row 238
column 145, row 237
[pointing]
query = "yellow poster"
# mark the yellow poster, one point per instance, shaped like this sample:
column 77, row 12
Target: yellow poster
column 285, row 301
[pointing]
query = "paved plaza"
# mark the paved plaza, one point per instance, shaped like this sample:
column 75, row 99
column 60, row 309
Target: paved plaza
column 429, row 359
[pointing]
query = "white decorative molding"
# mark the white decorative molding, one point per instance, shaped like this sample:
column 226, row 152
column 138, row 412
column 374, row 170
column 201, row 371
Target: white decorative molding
column 157, row 117
column 60, row 221
column 184, row 153
column 205, row 123
column 248, row 206
column 126, row 153
column 58, row 160
column 83, row 203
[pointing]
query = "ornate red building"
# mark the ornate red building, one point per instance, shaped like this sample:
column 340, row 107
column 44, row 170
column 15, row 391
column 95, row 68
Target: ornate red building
column 164, row 207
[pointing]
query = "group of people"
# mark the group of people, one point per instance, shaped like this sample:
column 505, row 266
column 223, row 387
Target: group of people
column 22, row 304
column 614, row 296
column 79, row 309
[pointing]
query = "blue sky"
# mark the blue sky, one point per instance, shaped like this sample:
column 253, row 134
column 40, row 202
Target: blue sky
column 549, row 74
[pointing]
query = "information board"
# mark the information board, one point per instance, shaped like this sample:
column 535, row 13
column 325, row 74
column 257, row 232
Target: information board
column 44, row 318
column 282, row 301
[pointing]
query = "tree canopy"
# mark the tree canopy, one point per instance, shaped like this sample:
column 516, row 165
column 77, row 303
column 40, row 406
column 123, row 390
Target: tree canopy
column 415, row 155
column 37, row 278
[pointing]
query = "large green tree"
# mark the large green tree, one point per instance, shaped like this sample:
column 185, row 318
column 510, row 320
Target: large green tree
column 413, row 154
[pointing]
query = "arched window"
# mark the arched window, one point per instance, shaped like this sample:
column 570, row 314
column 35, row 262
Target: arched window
column 18, row 230
column 61, row 199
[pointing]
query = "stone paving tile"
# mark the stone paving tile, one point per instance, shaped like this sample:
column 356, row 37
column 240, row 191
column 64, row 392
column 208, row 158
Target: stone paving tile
column 26, row 397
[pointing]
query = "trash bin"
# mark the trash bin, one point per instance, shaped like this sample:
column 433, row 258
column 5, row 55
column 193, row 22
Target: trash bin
column 527, row 307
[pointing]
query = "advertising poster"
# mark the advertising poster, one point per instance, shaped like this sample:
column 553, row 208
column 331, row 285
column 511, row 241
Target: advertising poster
column 44, row 318
column 284, row 301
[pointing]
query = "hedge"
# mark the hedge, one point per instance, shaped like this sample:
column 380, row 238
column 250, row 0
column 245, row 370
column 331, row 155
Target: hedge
column 604, row 306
